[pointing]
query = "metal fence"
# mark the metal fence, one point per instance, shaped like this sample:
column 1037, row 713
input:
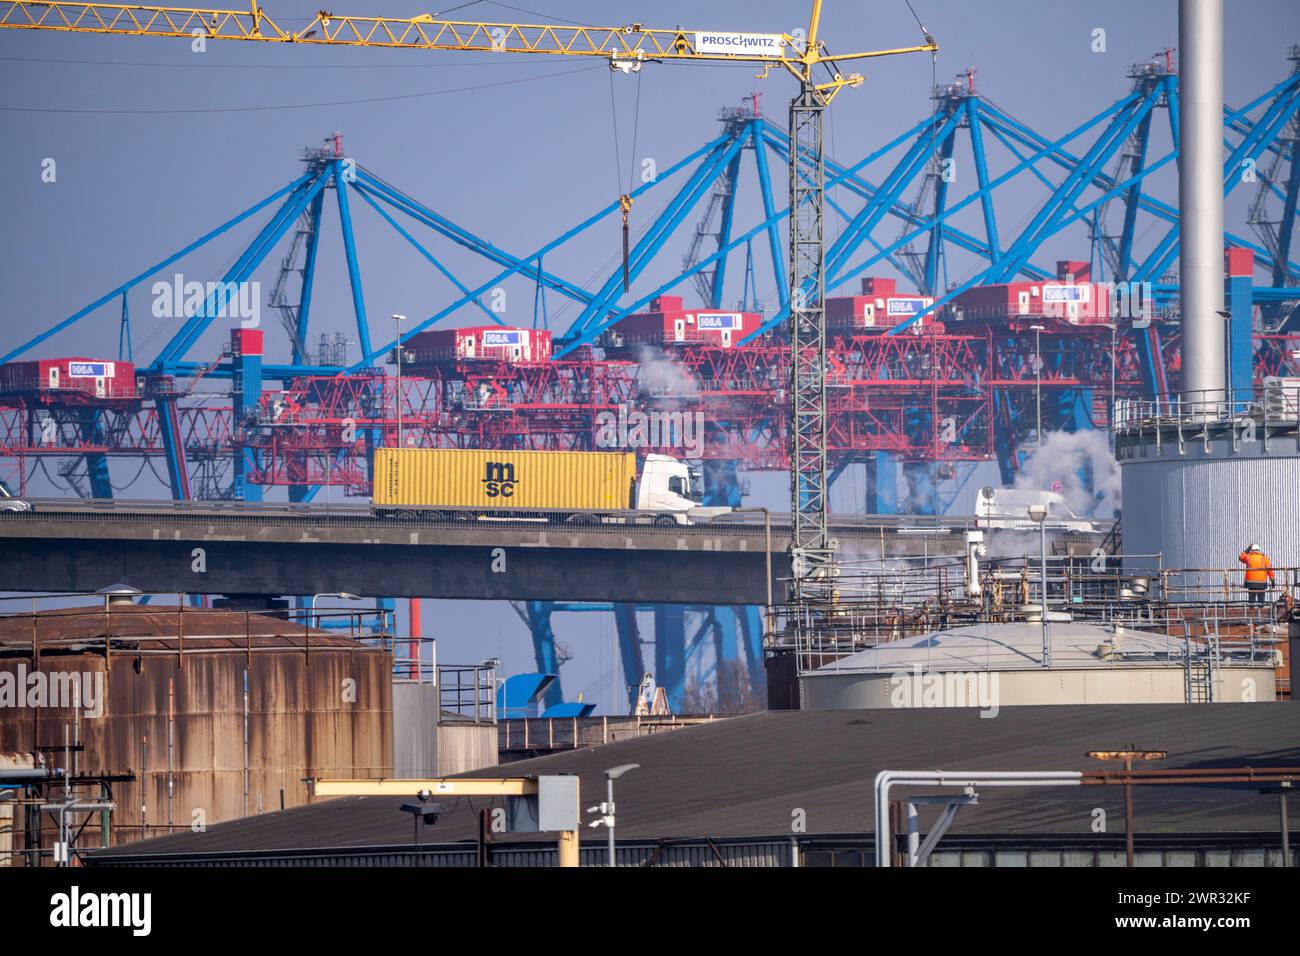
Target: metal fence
column 855, row 850
column 534, row 734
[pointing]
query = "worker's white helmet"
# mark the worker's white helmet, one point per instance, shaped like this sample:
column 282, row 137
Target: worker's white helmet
column 1253, row 547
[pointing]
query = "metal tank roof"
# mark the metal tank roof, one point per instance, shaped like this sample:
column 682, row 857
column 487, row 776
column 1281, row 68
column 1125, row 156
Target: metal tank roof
column 1013, row 646
column 158, row 627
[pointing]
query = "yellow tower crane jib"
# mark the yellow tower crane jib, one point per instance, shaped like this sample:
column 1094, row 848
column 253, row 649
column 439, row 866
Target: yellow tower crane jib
column 624, row 46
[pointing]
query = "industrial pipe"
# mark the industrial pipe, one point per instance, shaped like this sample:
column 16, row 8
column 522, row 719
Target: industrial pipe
column 887, row 779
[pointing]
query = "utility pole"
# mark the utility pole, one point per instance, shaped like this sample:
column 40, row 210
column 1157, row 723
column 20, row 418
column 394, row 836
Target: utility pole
column 1038, row 386
column 1114, row 365
column 606, row 809
column 1128, row 756
column 1039, row 514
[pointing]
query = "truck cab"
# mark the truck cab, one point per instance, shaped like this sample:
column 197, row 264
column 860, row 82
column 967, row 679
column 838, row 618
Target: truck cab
column 1008, row 509
column 11, row 502
column 673, row 489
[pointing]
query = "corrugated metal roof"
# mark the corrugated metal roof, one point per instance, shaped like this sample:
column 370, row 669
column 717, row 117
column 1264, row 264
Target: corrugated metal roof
column 755, row 776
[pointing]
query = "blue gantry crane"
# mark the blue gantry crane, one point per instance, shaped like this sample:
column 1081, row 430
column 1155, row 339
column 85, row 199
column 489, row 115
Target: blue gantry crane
column 898, row 207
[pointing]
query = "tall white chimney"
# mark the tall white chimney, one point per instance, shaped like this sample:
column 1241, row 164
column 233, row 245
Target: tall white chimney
column 1200, row 196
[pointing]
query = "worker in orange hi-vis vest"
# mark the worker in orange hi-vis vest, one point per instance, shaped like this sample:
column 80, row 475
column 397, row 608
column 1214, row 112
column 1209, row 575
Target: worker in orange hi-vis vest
column 1259, row 573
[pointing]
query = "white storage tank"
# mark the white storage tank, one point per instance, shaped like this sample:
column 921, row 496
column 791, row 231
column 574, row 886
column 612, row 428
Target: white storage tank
column 1197, row 492
column 994, row 665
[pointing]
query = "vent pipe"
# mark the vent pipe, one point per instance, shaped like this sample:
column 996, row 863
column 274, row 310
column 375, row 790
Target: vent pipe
column 119, row 594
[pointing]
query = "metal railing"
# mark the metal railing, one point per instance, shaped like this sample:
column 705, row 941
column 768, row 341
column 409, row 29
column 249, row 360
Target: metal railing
column 467, row 693
column 94, row 512
column 534, row 734
column 176, row 629
column 1169, row 609
column 1274, row 404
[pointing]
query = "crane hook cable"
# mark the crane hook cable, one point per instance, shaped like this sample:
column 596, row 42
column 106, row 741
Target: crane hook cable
column 625, row 196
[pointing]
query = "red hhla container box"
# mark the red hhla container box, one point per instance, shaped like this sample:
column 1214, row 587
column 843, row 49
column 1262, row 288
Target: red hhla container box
column 481, row 342
column 670, row 323
column 1071, row 298
column 879, row 307
column 92, row 378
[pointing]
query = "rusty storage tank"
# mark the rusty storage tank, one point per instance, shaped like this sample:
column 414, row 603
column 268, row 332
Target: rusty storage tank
column 212, row 714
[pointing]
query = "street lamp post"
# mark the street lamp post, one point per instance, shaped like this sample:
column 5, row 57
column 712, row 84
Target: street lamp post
column 1114, row 330
column 1114, row 363
column 341, row 595
column 399, row 319
column 606, row 809
column 1038, row 383
column 1039, row 514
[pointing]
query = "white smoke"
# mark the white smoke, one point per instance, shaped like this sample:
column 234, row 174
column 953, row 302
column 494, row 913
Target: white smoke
column 1066, row 457
column 1004, row 543
column 661, row 377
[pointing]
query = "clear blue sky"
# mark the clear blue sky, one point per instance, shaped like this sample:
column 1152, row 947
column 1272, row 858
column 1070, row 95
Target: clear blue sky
column 161, row 142
column 154, row 144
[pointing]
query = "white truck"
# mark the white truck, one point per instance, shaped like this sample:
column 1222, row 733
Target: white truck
column 11, row 502
column 1008, row 508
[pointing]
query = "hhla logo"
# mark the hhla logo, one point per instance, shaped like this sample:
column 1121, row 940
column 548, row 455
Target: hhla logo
column 75, row 908
column 75, row 690
column 629, row 428
column 946, row 689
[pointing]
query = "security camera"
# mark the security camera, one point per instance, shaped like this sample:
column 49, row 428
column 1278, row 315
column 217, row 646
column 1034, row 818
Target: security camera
column 429, row 813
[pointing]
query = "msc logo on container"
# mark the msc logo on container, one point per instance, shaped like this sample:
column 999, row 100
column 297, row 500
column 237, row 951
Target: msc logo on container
column 499, row 479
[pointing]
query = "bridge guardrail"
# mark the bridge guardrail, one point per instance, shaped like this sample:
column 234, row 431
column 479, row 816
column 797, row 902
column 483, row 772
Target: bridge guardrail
column 95, row 510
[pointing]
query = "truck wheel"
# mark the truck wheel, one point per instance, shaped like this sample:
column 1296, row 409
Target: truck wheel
column 582, row 519
column 665, row 521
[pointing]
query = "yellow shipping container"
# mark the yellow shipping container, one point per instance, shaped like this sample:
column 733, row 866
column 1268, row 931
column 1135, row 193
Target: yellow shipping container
column 503, row 480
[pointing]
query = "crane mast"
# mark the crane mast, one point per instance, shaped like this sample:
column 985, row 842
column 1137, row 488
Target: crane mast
column 625, row 48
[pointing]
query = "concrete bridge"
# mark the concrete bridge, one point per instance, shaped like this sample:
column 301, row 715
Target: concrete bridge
column 273, row 550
